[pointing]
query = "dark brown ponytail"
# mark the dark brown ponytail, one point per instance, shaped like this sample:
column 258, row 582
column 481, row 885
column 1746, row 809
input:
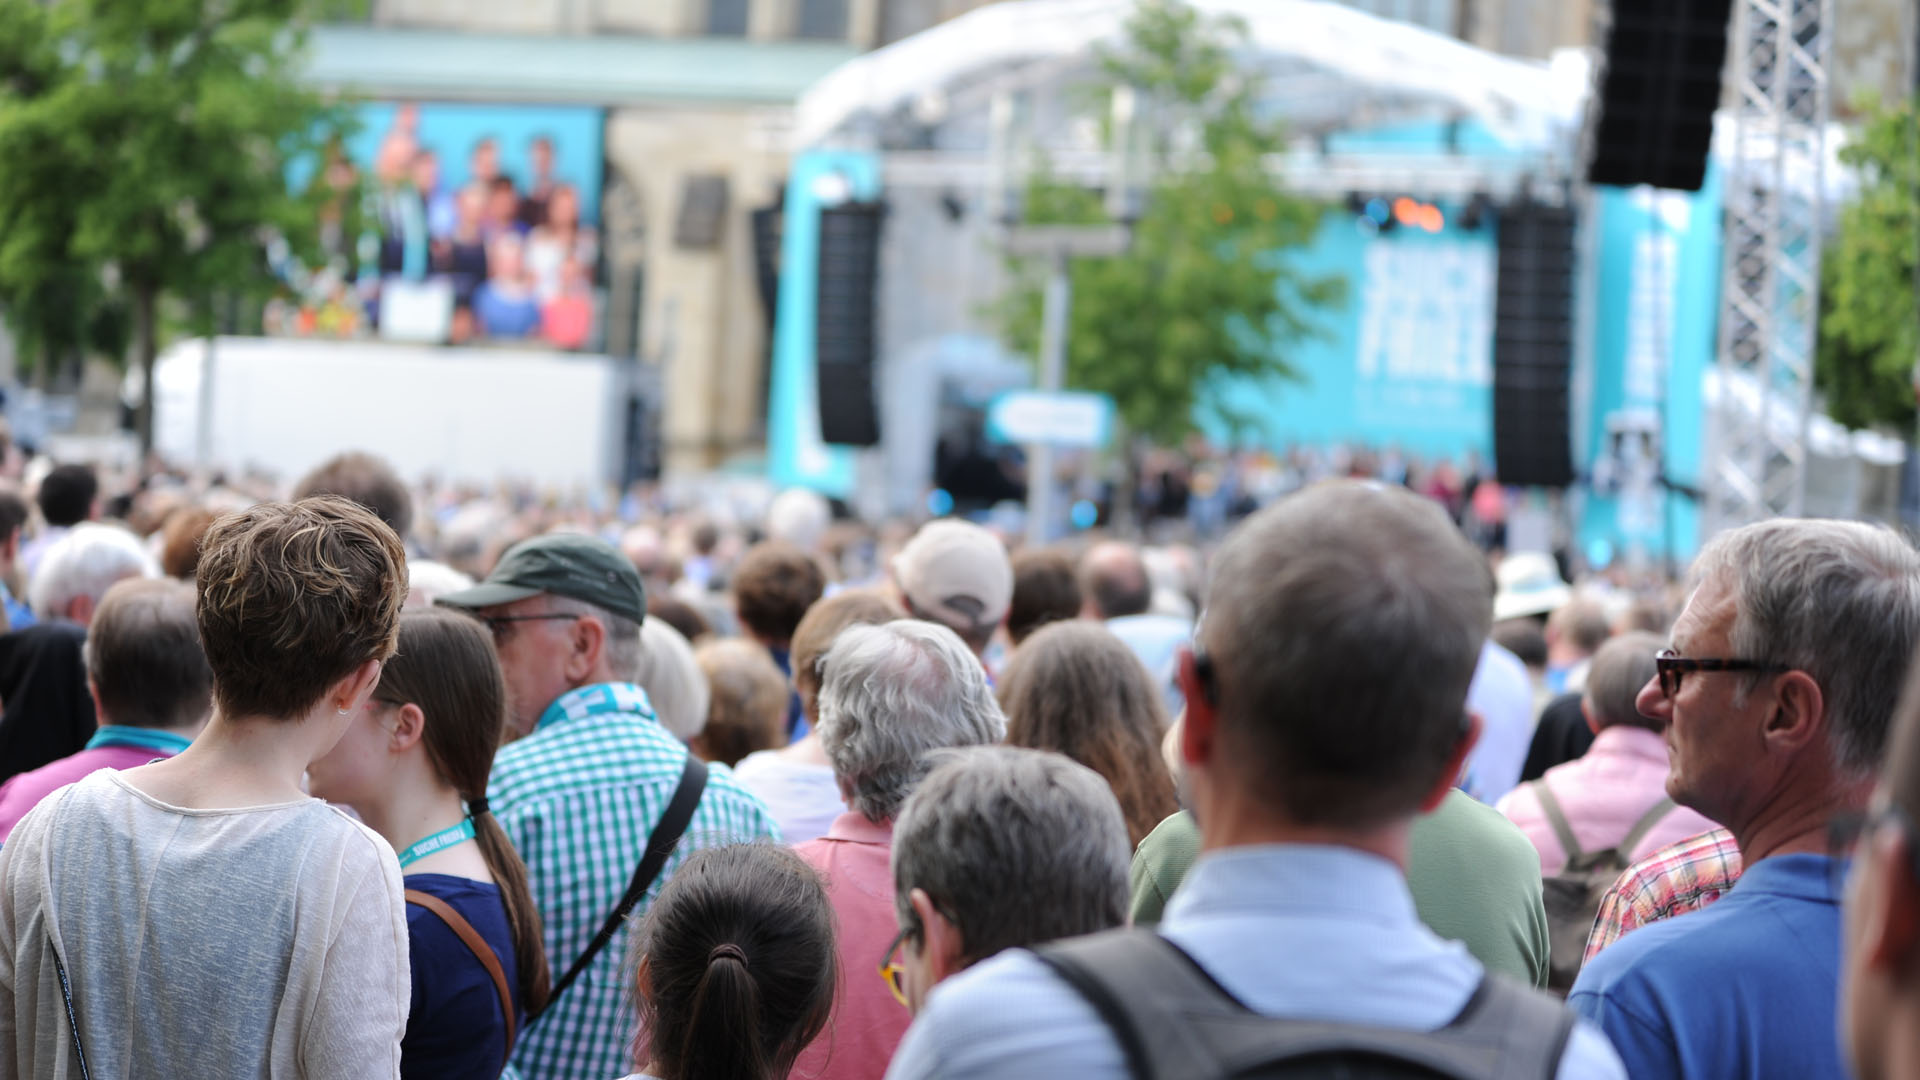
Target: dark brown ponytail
column 739, row 953
column 447, row 667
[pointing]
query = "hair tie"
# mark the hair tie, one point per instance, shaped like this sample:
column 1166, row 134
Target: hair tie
column 476, row 807
column 727, row 951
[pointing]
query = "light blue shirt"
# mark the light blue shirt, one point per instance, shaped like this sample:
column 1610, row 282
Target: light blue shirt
column 1318, row 933
column 1156, row 640
column 1502, row 695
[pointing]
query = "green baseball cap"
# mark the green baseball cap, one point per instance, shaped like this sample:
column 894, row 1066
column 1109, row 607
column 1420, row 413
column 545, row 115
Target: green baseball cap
column 578, row 567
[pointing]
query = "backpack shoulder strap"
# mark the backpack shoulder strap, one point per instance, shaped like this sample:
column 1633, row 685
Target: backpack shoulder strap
column 1645, row 825
column 1556, row 817
column 1529, row 1029
column 482, row 951
column 1145, row 990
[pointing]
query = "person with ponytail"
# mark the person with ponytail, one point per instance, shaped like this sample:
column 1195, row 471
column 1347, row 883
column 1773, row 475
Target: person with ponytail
column 735, row 966
column 414, row 765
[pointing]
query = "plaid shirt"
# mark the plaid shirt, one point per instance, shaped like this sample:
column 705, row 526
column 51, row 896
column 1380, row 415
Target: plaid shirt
column 579, row 797
column 1676, row 879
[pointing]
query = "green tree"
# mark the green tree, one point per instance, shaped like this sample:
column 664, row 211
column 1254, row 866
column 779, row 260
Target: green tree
column 1206, row 291
column 146, row 145
column 1869, row 321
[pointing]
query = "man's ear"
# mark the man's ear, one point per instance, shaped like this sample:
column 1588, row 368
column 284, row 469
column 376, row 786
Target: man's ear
column 589, row 642
column 1456, row 763
column 1200, row 729
column 945, row 951
column 1799, row 715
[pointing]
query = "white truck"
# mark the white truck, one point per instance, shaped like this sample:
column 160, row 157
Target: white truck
column 474, row 415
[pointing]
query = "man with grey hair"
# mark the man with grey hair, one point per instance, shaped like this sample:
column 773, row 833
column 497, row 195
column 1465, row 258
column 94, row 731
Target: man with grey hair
column 985, row 817
column 79, row 569
column 890, row 695
column 1326, row 708
column 1775, row 698
column 588, row 779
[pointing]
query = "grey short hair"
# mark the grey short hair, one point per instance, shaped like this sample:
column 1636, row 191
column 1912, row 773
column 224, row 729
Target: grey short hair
column 624, row 649
column 1839, row 600
column 889, row 694
column 87, row 562
column 1620, row 670
column 987, row 816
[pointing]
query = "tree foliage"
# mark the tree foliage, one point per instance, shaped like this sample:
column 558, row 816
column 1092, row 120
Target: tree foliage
column 146, row 145
column 1869, row 321
column 1206, row 291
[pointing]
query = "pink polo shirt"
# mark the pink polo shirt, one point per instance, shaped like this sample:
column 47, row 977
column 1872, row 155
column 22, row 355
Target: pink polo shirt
column 867, row 1022
column 23, row 792
column 1603, row 793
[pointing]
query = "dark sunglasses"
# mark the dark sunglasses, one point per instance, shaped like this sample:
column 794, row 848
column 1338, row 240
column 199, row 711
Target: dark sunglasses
column 1670, row 666
column 497, row 624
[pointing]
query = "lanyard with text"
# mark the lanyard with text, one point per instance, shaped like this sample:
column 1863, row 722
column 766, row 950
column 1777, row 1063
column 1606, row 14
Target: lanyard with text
column 445, row 838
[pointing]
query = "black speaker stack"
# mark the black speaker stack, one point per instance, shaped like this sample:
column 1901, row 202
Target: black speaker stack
column 1533, row 346
column 845, row 312
column 1657, row 93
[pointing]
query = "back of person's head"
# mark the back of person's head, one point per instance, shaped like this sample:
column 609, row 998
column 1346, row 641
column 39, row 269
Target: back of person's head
column 747, row 710
column 293, row 598
column 889, row 694
column 84, row 564
column 671, row 676
column 428, row 581
column 737, row 966
column 773, row 588
column 446, row 666
column 1621, row 669
column 13, row 514
column 1839, row 600
column 180, row 540
column 144, row 658
column 364, row 479
column 987, row 816
column 1046, row 589
column 956, row 574
column 1076, row 689
column 799, row 517
column 1114, row 579
column 1341, row 631
column 1582, row 623
column 1524, row 638
column 815, row 634
column 678, row 614
column 66, row 495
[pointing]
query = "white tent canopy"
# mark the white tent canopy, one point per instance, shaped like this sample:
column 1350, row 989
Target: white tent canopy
column 1350, row 58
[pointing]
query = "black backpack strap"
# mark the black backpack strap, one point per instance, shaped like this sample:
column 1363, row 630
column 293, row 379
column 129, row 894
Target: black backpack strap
column 1172, row 1019
column 666, row 834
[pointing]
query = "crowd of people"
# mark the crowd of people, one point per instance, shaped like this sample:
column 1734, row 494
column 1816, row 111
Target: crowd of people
column 492, row 258
column 359, row 779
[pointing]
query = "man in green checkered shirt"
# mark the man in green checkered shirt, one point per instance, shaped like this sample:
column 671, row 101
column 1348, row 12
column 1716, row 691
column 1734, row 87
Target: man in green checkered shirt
column 587, row 777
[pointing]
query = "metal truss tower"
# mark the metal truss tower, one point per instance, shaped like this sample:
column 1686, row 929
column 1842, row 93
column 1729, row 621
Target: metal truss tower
column 1770, row 280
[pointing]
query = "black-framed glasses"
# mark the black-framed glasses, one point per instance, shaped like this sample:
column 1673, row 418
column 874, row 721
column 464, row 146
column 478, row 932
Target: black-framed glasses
column 893, row 973
column 496, row 624
column 1670, row 666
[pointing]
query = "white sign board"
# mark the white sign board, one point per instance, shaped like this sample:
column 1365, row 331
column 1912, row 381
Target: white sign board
column 1058, row 418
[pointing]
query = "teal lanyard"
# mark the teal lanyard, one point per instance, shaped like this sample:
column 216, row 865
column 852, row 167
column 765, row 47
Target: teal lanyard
column 445, row 838
column 164, row 742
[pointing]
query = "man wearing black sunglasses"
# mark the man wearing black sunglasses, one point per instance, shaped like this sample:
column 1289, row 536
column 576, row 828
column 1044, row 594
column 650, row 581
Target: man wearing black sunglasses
column 1775, row 698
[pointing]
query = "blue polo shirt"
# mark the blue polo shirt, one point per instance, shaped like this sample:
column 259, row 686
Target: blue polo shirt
column 1746, row 988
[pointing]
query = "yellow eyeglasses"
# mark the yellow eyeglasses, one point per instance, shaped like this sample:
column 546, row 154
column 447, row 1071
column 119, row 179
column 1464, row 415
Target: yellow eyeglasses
column 893, row 973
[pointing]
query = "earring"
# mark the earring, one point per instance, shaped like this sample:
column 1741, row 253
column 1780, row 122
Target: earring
column 343, row 712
